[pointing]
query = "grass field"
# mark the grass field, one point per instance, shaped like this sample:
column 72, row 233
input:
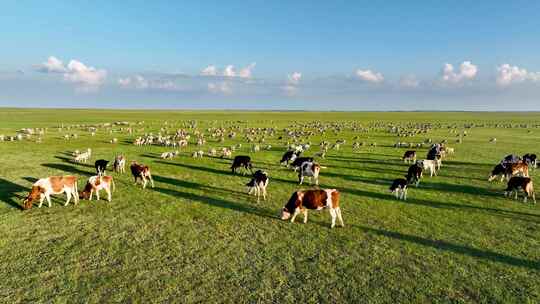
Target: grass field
column 197, row 236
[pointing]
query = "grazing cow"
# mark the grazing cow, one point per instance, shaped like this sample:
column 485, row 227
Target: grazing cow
column 44, row 187
column 290, row 155
column 83, row 157
column 519, row 182
column 414, row 174
column 226, row 152
column 143, row 172
column 431, row 165
column 309, row 169
column 197, row 154
column 499, row 170
column 399, row 188
column 101, row 166
column 299, row 161
column 258, row 184
column 303, row 200
column 168, row 155
column 530, row 159
column 119, row 164
column 409, row 156
column 97, row 183
column 242, row 161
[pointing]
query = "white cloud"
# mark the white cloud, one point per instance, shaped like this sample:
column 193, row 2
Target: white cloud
column 246, row 72
column 53, row 65
column 467, row 71
column 229, row 71
column 409, row 81
column 140, row 83
column 220, row 87
column 87, row 78
column 507, row 74
column 79, row 73
column 210, row 70
column 369, row 76
column 293, row 80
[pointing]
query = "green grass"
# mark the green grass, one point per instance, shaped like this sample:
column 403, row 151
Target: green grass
column 197, row 237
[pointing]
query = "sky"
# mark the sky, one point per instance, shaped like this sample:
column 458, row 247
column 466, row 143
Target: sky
column 290, row 55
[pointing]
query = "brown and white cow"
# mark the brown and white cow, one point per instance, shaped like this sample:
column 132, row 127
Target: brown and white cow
column 44, row 187
column 143, row 172
column 97, row 183
column 303, row 200
column 119, row 164
column 520, row 168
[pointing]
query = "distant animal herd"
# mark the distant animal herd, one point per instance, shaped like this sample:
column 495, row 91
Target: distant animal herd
column 512, row 168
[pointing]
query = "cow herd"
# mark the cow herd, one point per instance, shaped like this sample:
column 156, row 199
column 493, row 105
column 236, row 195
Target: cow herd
column 512, row 168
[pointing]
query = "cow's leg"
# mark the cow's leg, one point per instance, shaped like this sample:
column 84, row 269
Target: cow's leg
column 91, row 193
column 143, row 182
column 300, row 179
column 97, row 194
column 41, row 199
column 264, row 193
column 151, row 180
column 296, row 211
column 405, row 194
column 338, row 213
column 48, row 197
column 68, row 195
column 396, row 193
column 333, row 215
column 109, row 197
column 305, row 216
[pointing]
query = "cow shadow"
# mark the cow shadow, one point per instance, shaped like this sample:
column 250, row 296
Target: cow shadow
column 71, row 161
column 67, row 169
column 455, row 248
column 148, row 155
column 9, row 193
column 199, row 168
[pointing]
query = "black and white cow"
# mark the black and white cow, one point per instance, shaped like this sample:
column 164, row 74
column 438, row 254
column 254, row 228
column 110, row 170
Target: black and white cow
column 530, row 159
column 299, row 161
column 258, row 184
column 290, row 155
column 101, row 166
column 399, row 188
column 414, row 174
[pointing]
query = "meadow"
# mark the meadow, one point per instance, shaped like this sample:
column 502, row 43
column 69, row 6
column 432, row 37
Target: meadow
column 198, row 237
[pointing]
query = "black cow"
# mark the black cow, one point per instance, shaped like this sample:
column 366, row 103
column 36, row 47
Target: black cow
column 101, row 165
column 510, row 159
column 242, row 161
column 414, row 174
column 299, row 161
column 409, row 155
column 499, row 170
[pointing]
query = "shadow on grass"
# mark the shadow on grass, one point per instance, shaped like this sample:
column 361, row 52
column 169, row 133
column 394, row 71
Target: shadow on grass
column 8, row 193
column 211, row 201
column 68, row 169
column 456, row 248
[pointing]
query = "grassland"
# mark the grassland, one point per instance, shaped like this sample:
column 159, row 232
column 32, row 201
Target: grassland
column 197, row 237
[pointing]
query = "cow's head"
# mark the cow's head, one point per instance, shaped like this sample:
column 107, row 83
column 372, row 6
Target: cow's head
column 285, row 214
column 34, row 194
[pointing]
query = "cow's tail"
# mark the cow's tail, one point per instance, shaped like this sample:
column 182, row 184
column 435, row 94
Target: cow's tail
column 323, row 167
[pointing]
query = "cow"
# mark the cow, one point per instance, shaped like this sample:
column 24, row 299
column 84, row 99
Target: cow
column 510, row 159
column 309, row 169
column 242, row 161
column 518, row 168
column 43, row 188
column 519, row 182
column 409, row 156
column 168, row 155
column 84, row 156
column 414, row 174
column 258, row 184
column 97, row 183
column 399, row 188
column 143, row 172
column 303, row 200
column 299, row 161
column 290, row 155
column 498, row 170
column 530, row 159
column 431, row 165
column 101, row 166
column 119, row 164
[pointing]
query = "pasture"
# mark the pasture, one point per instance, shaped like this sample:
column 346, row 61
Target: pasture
column 198, row 237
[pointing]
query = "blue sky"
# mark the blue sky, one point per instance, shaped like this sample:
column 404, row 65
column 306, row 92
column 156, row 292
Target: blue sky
column 333, row 55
